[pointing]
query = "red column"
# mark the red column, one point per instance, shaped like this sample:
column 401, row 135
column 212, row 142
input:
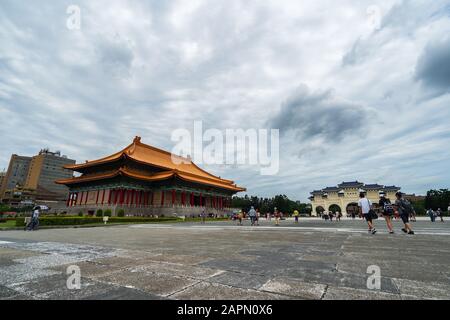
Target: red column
column 192, row 199
column 98, row 193
column 103, row 196
column 153, row 198
column 87, row 196
column 162, row 198
column 122, row 196
column 182, row 198
column 173, row 196
column 68, row 199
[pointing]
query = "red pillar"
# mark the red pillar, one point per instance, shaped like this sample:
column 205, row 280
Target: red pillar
column 103, row 196
column 98, row 193
column 162, row 198
column 68, row 199
column 122, row 196
column 192, row 199
column 152, row 200
column 182, row 198
column 173, row 196
column 201, row 203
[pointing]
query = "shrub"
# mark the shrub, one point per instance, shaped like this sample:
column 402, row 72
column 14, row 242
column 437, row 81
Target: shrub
column 121, row 213
column 99, row 213
column 80, row 214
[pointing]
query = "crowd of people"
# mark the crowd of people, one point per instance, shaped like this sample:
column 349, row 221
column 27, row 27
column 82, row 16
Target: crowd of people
column 401, row 208
column 436, row 214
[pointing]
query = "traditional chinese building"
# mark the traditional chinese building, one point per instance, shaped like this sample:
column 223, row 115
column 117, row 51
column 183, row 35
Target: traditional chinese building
column 344, row 197
column 144, row 180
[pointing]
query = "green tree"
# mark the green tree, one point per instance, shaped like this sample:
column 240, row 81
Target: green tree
column 99, row 213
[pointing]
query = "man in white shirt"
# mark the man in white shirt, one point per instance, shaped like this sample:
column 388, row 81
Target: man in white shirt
column 364, row 208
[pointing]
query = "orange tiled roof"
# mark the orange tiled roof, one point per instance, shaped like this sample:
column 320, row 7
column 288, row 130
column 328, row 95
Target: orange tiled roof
column 182, row 167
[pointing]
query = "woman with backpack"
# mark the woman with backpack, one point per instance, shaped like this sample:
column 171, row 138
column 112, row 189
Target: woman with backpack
column 387, row 210
column 404, row 208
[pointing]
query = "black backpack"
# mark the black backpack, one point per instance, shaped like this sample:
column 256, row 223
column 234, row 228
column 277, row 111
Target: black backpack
column 406, row 206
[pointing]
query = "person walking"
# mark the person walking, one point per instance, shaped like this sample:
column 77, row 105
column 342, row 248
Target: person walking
column 387, row 210
column 440, row 214
column 277, row 215
column 203, row 217
column 296, row 214
column 252, row 215
column 258, row 215
column 338, row 216
column 404, row 208
column 430, row 213
column 34, row 223
column 365, row 210
column 240, row 216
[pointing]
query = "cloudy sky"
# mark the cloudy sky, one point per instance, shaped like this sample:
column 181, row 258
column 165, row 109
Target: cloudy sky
column 359, row 89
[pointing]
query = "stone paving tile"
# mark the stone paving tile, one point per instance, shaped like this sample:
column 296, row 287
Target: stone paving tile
column 187, row 271
column 122, row 293
column 215, row 291
column 423, row 290
column 240, row 280
column 294, row 287
column 90, row 270
column 334, row 293
column 6, row 292
column 153, row 283
column 341, row 279
column 21, row 273
column 55, row 288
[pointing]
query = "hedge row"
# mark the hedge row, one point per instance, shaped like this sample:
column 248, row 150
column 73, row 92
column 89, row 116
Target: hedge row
column 64, row 221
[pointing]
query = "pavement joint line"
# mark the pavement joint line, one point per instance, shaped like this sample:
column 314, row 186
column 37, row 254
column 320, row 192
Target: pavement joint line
column 184, row 288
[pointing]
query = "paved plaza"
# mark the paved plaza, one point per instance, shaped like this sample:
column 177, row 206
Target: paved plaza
column 312, row 260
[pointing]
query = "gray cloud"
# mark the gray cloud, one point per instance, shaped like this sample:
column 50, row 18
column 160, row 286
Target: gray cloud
column 149, row 67
column 433, row 66
column 320, row 115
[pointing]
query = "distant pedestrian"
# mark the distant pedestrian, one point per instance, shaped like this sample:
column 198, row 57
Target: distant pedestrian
column 252, row 215
column 268, row 216
column 277, row 215
column 404, row 208
column 431, row 214
column 296, row 214
column 203, row 217
column 440, row 214
column 387, row 210
column 240, row 217
column 365, row 210
column 258, row 215
column 34, row 222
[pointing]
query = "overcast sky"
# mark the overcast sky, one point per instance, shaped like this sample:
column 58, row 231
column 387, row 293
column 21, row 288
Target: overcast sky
column 359, row 89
